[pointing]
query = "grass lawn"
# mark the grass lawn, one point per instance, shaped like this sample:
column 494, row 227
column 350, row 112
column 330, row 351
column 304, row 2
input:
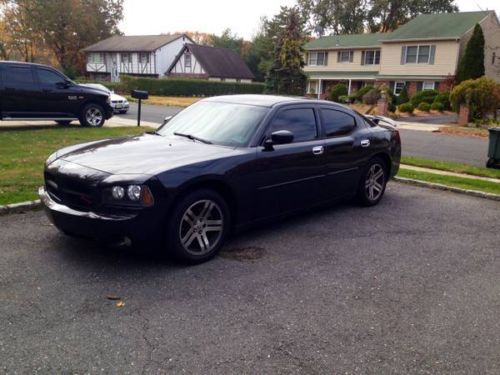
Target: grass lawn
column 451, row 167
column 168, row 100
column 463, row 183
column 23, row 153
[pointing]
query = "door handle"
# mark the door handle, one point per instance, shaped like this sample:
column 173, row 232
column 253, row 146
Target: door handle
column 365, row 143
column 318, row 150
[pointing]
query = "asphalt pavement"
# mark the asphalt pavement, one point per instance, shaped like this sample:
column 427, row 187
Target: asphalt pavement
column 424, row 144
column 411, row 286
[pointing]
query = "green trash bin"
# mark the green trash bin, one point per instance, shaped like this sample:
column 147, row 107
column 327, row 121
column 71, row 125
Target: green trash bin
column 494, row 149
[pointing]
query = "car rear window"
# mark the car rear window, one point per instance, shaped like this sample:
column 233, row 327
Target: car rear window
column 337, row 123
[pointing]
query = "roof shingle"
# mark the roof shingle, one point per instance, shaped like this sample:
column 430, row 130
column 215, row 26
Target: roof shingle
column 132, row 43
column 348, row 40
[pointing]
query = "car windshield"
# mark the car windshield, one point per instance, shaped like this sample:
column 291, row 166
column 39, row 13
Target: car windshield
column 225, row 124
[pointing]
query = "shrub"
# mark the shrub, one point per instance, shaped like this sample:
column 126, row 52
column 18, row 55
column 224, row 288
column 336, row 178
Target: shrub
column 344, row 99
column 358, row 95
column 403, row 96
column 337, row 91
column 391, row 107
column 406, row 108
column 425, row 96
column 481, row 95
column 371, row 97
column 437, row 106
column 444, row 99
column 424, row 107
column 189, row 87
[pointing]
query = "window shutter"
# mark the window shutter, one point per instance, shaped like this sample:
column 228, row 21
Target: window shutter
column 338, row 56
column 363, row 58
column 420, row 86
column 391, row 85
column 433, row 55
column 326, row 58
column 403, row 55
column 351, row 56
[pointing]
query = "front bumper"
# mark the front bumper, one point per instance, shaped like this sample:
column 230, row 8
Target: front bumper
column 140, row 225
column 120, row 107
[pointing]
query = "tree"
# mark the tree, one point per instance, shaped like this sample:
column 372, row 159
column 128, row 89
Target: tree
column 471, row 64
column 285, row 75
column 333, row 16
column 481, row 95
column 388, row 15
column 227, row 40
column 63, row 26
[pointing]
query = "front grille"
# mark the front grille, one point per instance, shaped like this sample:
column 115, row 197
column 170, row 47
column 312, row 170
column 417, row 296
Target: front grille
column 71, row 191
column 117, row 101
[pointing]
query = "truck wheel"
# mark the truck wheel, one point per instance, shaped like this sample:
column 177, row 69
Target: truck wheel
column 92, row 116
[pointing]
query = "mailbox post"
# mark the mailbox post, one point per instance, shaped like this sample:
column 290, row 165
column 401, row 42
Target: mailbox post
column 140, row 95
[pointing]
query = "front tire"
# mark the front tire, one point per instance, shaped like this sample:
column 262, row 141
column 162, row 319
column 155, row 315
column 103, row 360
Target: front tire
column 93, row 116
column 198, row 227
column 373, row 182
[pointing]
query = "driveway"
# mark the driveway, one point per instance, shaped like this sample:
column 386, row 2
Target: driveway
column 150, row 113
column 409, row 286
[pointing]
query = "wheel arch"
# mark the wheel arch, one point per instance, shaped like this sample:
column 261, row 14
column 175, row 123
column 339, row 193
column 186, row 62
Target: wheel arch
column 387, row 161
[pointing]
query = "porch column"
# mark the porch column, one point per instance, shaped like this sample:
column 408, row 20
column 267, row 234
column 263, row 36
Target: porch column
column 349, row 89
column 319, row 88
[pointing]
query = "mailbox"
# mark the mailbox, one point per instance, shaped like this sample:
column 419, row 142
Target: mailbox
column 140, row 94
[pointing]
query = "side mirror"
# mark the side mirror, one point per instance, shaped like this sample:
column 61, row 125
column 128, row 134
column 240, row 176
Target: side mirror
column 375, row 120
column 63, row 85
column 279, row 137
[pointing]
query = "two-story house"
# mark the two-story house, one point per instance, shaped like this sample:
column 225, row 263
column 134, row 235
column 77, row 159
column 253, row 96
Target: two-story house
column 140, row 55
column 422, row 54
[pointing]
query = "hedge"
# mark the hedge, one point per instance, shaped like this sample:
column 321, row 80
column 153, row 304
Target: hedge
column 426, row 96
column 424, row 107
column 180, row 87
column 406, row 108
column 337, row 91
column 189, row 87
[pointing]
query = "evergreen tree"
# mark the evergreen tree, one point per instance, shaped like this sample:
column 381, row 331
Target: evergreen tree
column 285, row 75
column 471, row 64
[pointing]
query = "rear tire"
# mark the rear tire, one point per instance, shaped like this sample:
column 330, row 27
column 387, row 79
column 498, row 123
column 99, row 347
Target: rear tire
column 92, row 116
column 198, row 227
column 373, row 182
column 64, row 122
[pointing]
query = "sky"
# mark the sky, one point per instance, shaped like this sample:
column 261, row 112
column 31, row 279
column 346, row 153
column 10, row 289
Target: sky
column 146, row 17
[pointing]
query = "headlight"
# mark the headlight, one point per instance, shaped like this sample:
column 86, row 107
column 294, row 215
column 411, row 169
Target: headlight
column 118, row 192
column 132, row 195
column 51, row 158
column 134, row 192
column 108, row 100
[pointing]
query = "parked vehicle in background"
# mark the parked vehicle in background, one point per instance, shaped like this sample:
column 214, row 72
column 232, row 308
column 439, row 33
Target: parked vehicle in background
column 119, row 103
column 220, row 164
column 34, row 92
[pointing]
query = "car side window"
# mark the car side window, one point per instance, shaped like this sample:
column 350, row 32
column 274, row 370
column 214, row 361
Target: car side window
column 300, row 121
column 48, row 77
column 17, row 75
column 337, row 123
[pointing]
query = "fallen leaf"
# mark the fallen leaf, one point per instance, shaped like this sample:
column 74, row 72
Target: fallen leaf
column 120, row 304
column 113, row 298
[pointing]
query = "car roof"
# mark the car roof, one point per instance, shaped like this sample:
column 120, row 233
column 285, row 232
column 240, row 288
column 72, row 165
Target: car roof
column 266, row 100
column 5, row 62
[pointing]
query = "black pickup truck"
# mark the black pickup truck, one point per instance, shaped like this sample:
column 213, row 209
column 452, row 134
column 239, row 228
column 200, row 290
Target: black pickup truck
column 34, row 92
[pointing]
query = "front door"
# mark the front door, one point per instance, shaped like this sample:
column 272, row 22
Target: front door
column 57, row 97
column 288, row 177
column 19, row 91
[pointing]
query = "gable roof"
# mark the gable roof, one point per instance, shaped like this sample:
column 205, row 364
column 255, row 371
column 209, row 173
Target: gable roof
column 346, row 41
column 437, row 26
column 133, row 43
column 217, row 62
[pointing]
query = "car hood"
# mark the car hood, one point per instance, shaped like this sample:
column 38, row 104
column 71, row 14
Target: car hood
column 146, row 154
column 95, row 90
column 116, row 97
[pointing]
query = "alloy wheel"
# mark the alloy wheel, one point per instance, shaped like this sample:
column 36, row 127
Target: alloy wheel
column 201, row 227
column 94, row 116
column 374, row 183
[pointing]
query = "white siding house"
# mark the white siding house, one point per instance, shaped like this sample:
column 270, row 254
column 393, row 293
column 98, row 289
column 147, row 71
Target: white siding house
column 144, row 55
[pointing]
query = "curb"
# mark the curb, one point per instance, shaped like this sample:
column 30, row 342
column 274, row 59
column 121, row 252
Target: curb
column 430, row 185
column 20, row 207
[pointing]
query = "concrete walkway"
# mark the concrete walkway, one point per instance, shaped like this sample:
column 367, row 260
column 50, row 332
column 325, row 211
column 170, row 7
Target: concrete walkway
column 446, row 173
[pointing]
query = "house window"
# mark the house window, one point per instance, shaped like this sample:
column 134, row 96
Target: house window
column 398, row 87
column 345, row 56
column 418, row 54
column 144, row 57
column 126, row 58
column 96, row 58
column 318, row 58
column 428, row 85
column 187, row 60
column 371, row 57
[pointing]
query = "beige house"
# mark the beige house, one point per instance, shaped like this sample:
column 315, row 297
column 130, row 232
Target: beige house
column 422, row 54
